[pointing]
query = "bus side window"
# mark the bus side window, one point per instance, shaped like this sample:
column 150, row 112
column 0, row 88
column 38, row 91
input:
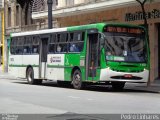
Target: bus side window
column 27, row 45
column 19, row 45
column 58, row 38
column 62, row 46
column 58, row 48
column 78, row 36
column 76, row 41
column 71, row 37
column 64, row 40
column 51, row 48
column 52, row 43
column 35, row 45
column 13, row 46
column 74, row 47
column 63, row 37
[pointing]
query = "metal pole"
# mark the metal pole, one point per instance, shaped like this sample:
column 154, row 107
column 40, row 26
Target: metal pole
column 49, row 2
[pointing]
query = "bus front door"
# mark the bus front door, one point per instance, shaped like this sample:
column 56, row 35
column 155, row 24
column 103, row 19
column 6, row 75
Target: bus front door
column 93, row 57
column 43, row 57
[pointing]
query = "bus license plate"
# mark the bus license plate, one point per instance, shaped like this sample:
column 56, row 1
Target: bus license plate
column 128, row 75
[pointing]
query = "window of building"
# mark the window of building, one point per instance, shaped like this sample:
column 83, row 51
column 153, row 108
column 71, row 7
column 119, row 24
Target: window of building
column 69, row 2
column 17, row 15
column 56, row 2
column 9, row 17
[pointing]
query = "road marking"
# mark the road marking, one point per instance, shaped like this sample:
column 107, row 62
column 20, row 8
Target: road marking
column 89, row 99
column 74, row 97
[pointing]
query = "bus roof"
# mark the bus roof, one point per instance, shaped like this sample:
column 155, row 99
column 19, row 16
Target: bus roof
column 37, row 32
column 99, row 26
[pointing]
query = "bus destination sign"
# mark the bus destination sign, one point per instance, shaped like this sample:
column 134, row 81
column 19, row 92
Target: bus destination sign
column 124, row 30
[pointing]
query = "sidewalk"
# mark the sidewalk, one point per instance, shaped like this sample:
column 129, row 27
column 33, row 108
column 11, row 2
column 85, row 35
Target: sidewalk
column 5, row 75
column 1, row 69
column 154, row 87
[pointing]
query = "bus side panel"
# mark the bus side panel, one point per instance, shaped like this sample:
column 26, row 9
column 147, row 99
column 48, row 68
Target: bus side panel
column 15, row 65
column 32, row 60
column 71, row 60
column 97, row 77
column 55, row 67
column 12, row 69
column 20, row 70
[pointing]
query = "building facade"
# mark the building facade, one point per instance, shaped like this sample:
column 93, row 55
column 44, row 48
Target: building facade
column 0, row 39
column 79, row 12
column 1, row 31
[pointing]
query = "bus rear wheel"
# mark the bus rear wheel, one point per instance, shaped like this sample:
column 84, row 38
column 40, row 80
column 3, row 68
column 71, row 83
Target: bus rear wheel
column 30, row 77
column 118, row 85
column 77, row 79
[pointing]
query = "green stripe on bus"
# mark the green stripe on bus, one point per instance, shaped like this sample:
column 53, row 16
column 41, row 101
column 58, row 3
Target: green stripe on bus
column 61, row 66
column 11, row 65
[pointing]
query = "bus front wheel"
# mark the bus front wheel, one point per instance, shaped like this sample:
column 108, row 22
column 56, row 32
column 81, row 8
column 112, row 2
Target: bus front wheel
column 77, row 79
column 118, row 85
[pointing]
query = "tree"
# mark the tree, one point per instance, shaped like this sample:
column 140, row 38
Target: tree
column 142, row 3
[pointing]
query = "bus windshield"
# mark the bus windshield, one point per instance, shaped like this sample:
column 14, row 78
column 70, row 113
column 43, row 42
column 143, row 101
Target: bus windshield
column 125, row 44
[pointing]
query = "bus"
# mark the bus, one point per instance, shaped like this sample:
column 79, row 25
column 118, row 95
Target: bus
column 101, row 53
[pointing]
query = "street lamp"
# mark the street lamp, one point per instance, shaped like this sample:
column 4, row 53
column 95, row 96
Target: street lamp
column 49, row 2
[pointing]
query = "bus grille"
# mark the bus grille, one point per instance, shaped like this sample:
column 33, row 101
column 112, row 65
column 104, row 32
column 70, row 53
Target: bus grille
column 137, row 71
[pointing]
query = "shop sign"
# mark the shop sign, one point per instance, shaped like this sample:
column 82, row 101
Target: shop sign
column 154, row 14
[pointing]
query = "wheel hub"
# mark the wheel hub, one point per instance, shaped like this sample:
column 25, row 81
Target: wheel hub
column 77, row 79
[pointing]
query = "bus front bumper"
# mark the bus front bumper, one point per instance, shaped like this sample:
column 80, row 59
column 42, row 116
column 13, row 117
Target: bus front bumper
column 110, row 75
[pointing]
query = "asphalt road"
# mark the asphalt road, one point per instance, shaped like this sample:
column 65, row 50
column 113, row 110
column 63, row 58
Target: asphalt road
column 18, row 97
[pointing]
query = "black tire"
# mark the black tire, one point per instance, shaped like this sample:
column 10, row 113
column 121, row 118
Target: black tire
column 60, row 83
column 64, row 83
column 38, row 81
column 30, row 77
column 118, row 85
column 77, row 80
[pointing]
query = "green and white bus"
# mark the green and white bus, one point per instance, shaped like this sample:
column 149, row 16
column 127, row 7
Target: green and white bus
column 94, row 53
